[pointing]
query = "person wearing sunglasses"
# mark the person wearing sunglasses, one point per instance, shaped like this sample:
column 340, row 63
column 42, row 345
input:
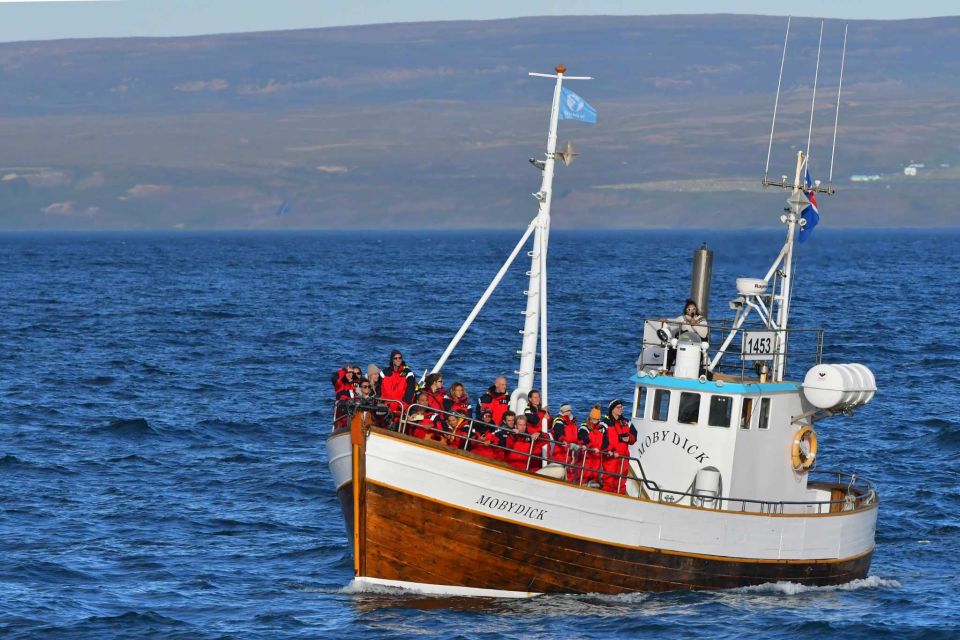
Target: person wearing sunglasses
column 397, row 382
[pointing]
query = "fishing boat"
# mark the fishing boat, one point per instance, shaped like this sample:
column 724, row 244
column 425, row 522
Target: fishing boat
column 720, row 488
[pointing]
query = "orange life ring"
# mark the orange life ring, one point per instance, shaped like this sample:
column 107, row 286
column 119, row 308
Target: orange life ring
column 804, row 449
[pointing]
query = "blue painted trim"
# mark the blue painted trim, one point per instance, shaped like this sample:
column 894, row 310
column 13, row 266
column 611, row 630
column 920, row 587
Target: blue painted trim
column 669, row 382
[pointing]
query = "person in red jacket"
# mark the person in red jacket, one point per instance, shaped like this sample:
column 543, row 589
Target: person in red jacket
column 496, row 399
column 590, row 435
column 433, row 385
column 456, row 400
column 524, row 446
column 486, row 439
column 458, row 428
column 347, row 377
column 397, row 383
column 566, row 440
column 618, row 435
column 536, row 414
column 422, row 422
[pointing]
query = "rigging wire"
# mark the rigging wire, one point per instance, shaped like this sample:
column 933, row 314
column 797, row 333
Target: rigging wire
column 836, row 120
column 813, row 103
column 776, row 101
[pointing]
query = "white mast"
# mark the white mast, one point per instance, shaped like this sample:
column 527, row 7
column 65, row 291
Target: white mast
column 535, row 322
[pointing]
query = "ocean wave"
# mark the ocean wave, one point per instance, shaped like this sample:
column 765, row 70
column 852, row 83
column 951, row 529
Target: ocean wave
column 128, row 428
column 9, row 460
column 793, row 588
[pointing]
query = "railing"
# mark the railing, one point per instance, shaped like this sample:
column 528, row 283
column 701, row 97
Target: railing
column 856, row 492
column 754, row 346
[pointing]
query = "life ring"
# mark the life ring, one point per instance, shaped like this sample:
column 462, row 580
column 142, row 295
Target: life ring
column 804, row 449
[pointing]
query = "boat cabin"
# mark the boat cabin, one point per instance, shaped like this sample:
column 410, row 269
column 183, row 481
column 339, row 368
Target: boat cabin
column 704, row 436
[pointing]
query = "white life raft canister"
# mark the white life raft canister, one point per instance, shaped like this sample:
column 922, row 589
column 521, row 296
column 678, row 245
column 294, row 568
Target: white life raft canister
column 839, row 386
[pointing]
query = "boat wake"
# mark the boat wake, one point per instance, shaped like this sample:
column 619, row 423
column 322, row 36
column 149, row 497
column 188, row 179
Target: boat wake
column 792, row 588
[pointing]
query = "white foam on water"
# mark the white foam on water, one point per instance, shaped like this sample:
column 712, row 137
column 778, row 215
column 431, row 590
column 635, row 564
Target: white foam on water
column 792, row 588
column 355, row 587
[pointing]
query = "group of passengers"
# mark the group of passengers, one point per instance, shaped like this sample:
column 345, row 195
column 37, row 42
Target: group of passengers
column 593, row 453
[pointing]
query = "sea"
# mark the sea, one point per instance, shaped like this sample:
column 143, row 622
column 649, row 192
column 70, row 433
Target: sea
column 166, row 399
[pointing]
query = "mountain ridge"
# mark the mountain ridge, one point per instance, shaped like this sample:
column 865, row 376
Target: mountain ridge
column 409, row 125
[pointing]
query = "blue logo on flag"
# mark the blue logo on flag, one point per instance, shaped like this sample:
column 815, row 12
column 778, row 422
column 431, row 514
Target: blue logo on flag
column 573, row 107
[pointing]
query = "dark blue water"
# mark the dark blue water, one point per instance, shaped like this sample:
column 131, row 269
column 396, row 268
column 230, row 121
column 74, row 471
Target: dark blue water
column 166, row 397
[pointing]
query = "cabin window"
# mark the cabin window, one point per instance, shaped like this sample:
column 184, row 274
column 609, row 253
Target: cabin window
column 721, row 409
column 689, row 408
column 764, row 421
column 746, row 412
column 639, row 402
column 661, row 405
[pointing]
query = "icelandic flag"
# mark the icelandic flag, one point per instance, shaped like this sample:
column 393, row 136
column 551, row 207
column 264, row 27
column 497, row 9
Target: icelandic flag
column 811, row 214
column 573, row 107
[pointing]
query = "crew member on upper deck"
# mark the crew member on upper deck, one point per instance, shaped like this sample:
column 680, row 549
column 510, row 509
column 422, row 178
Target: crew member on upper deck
column 618, row 435
column 496, row 399
column 691, row 321
column 397, row 382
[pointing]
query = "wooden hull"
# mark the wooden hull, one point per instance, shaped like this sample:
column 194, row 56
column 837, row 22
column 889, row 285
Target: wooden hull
column 412, row 538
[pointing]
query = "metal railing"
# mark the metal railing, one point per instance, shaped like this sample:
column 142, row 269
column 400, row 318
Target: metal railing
column 799, row 345
column 856, row 492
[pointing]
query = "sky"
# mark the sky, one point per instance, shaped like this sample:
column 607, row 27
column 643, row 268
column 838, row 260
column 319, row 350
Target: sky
column 55, row 19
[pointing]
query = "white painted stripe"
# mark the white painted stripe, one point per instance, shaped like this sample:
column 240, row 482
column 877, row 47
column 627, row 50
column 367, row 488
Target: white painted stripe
column 363, row 584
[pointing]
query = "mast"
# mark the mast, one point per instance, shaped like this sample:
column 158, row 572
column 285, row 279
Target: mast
column 535, row 315
column 797, row 203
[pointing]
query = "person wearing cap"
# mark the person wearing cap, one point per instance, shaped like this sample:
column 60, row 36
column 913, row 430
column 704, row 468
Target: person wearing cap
column 590, row 435
column 496, row 399
column 618, row 435
column 373, row 375
column 397, row 383
column 565, row 438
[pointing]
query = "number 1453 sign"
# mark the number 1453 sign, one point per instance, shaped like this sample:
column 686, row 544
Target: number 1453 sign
column 759, row 345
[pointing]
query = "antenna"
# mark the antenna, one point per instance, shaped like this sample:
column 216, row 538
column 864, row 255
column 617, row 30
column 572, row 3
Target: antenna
column 813, row 102
column 836, row 120
column 776, row 102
